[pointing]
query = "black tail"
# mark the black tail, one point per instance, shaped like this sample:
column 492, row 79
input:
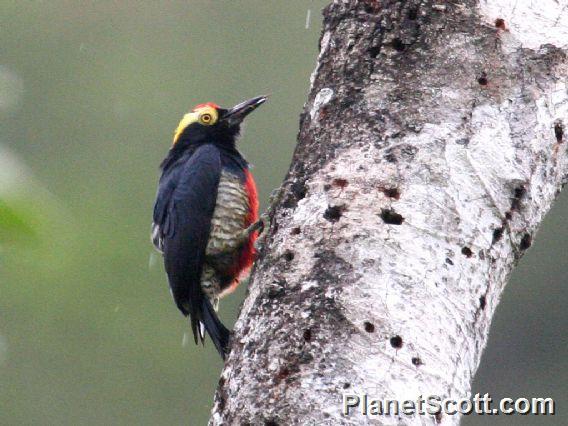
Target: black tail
column 215, row 328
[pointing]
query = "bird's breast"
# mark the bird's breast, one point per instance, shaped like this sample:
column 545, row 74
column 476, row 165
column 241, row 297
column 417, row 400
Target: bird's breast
column 229, row 216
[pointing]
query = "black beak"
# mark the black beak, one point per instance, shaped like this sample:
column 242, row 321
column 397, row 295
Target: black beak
column 237, row 114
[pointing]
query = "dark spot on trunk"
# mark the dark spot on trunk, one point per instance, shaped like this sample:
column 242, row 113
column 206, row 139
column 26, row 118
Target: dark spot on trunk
column 369, row 327
column 307, row 335
column 508, row 215
column 396, row 342
column 449, row 261
column 481, row 254
column 389, row 216
column 288, row 256
column 333, row 213
column 270, row 423
column 346, row 385
column 296, row 231
column 299, row 190
column 391, row 192
column 497, row 234
column 500, row 23
column 374, row 51
column 526, row 242
column 412, row 13
column 482, row 80
column 466, row 251
column 559, row 131
column 482, row 302
column 282, row 374
column 340, row 183
column 416, row 361
column 398, row 45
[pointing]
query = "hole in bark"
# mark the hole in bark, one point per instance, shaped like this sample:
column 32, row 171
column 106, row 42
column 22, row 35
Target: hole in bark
column 270, row 423
column 299, row 190
column 307, row 335
column 296, row 231
column 369, row 327
column 333, row 213
column 497, row 234
column 391, row 192
column 412, row 13
column 466, row 251
column 396, row 342
column 449, row 261
column 340, row 183
column 390, row 157
column 283, row 373
column 526, row 242
column 483, row 79
column 374, row 51
column 327, row 187
column 508, row 215
column 559, row 131
column 288, row 256
column 416, row 361
column 346, row 385
column 398, row 45
column 520, row 191
column 482, row 302
column 500, row 23
column 391, row 217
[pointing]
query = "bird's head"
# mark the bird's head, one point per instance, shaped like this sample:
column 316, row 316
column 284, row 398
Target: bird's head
column 209, row 123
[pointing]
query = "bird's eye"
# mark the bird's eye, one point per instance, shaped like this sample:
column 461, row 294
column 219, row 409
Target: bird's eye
column 205, row 118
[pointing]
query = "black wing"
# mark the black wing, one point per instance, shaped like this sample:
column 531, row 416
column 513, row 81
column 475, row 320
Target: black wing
column 182, row 220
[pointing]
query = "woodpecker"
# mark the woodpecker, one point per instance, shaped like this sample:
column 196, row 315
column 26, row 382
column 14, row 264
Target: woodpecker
column 205, row 219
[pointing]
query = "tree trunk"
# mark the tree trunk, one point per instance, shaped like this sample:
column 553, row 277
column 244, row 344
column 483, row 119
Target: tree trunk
column 430, row 148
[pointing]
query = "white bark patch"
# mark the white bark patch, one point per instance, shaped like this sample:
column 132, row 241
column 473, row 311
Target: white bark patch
column 322, row 98
column 532, row 23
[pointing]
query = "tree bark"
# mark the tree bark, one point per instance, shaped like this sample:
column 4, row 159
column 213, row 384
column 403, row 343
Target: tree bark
column 430, row 148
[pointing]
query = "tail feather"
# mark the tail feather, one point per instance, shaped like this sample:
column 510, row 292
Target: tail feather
column 217, row 331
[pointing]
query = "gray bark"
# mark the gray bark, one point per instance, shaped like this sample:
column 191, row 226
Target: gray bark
column 430, row 148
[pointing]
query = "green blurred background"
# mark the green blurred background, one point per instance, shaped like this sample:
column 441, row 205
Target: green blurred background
column 90, row 93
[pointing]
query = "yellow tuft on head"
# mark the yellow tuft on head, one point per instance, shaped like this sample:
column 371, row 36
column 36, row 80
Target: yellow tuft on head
column 204, row 114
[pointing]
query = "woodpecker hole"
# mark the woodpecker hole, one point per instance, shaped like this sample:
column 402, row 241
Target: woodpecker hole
column 307, row 335
column 398, row 45
column 374, row 51
column 333, row 213
column 396, row 342
column 520, row 191
column 497, row 234
column 391, row 192
column 283, row 373
column 340, row 183
column 416, row 361
column 369, row 327
column 482, row 80
column 346, row 385
column 526, row 242
column 288, row 256
column 500, row 23
column 296, row 231
column 389, row 216
column 412, row 13
column 466, row 251
column 482, row 302
column 449, row 261
column 559, row 131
